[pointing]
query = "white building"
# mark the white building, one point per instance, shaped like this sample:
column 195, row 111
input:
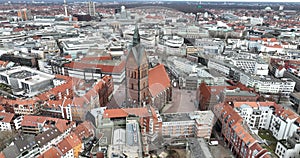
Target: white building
column 6, row 120
column 256, row 21
column 255, row 114
column 18, row 121
column 25, row 80
column 185, row 65
column 282, row 123
column 284, row 86
column 290, row 147
column 197, row 124
column 220, row 66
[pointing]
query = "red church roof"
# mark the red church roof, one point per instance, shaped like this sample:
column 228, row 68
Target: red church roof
column 158, row 80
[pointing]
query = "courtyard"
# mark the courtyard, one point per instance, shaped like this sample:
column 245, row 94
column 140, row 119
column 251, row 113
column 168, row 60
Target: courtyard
column 271, row 141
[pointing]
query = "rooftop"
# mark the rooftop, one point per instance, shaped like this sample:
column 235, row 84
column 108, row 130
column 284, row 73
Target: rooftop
column 172, row 117
column 6, row 117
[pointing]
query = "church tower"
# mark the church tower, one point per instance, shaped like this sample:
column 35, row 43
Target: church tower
column 137, row 88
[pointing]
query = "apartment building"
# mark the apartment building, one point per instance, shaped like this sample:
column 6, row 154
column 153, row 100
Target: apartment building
column 210, row 95
column 184, row 65
column 195, row 124
column 210, row 46
column 37, row 124
column 223, row 68
column 295, row 99
column 236, row 134
column 257, row 115
column 253, row 66
column 20, row 106
column 6, row 121
column 283, row 86
column 56, row 141
column 283, row 123
column 289, row 147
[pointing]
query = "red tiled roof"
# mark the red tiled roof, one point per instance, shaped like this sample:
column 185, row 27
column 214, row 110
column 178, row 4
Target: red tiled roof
column 84, row 130
column 32, row 121
column 118, row 113
column 114, row 113
column 7, row 117
column 64, row 146
column 61, row 124
column 274, row 46
column 153, row 17
column 287, row 113
column 18, row 101
column 68, row 56
column 270, row 39
column 255, row 39
column 2, row 155
column 141, row 112
column 92, row 58
column 73, row 140
column 53, row 152
column 1, row 107
column 158, row 80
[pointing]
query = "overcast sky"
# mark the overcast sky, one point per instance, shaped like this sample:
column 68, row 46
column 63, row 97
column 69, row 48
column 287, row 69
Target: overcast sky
column 250, row 0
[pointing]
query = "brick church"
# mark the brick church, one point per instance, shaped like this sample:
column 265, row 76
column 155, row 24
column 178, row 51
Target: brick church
column 145, row 86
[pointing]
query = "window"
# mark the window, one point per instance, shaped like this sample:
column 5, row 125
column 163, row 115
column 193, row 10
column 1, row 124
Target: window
column 132, row 86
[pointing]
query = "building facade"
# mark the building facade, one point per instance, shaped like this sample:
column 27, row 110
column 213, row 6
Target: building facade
column 137, row 92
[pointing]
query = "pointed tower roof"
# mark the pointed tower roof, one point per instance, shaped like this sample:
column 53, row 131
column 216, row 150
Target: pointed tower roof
column 136, row 37
column 137, row 50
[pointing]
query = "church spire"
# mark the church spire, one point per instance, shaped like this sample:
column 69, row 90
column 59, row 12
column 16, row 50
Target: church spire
column 136, row 37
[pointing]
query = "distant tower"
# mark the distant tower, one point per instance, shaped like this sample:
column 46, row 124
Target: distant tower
column 91, row 8
column 66, row 7
column 281, row 7
column 24, row 14
column 137, row 91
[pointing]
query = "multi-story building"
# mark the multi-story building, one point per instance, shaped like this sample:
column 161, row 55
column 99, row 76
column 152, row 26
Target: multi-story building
column 25, row 80
column 283, row 86
column 257, row 115
column 196, row 124
column 236, row 134
column 289, row 147
column 75, row 143
column 295, row 99
column 283, row 123
column 37, row 124
column 55, row 141
column 210, row 46
column 20, row 106
column 208, row 96
column 185, row 65
column 223, row 68
column 25, row 14
column 294, row 77
column 22, row 147
column 6, row 121
column 253, row 66
column 48, row 138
